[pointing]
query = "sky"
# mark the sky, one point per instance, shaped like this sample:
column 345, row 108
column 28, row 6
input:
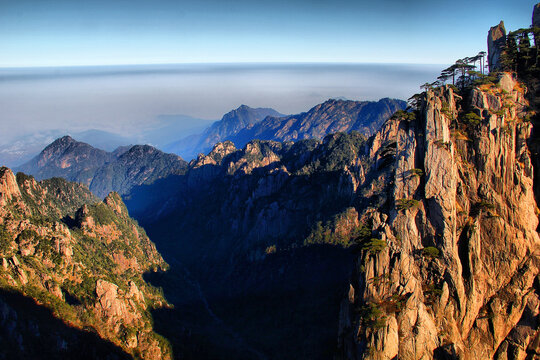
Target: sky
column 107, row 32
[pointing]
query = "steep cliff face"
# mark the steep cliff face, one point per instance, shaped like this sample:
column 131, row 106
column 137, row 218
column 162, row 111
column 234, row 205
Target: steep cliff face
column 72, row 258
column 452, row 267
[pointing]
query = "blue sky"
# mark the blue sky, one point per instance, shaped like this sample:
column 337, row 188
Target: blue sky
column 96, row 32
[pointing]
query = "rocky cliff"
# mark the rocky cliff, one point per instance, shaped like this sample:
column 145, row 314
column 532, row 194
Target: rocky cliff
column 103, row 171
column 72, row 272
column 438, row 206
column 452, row 267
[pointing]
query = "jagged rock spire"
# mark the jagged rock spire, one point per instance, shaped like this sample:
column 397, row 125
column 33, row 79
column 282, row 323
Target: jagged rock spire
column 495, row 41
column 536, row 16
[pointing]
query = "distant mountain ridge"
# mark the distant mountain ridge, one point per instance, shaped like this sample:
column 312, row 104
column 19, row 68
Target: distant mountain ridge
column 230, row 124
column 100, row 170
column 245, row 124
column 24, row 148
column 329, row 117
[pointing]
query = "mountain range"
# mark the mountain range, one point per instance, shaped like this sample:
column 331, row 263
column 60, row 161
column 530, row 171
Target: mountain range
column 326, row 237
column 245, row 124
column 429, row 224
column 100, row 170
column 230, row 124
column 129, row 166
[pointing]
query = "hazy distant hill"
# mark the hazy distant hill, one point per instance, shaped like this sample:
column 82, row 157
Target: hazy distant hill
column 22, row 149
column 230, row 124
column 245, row 124
column 169, row 128
column 100, row 170
column 326, row 118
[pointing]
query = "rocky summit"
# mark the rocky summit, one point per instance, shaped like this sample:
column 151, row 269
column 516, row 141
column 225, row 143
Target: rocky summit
column 496, row 41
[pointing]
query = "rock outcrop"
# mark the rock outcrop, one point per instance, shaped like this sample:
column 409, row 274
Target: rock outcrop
column 82, row 261
column 8, row 186
column 495, row 42
column 453, row 272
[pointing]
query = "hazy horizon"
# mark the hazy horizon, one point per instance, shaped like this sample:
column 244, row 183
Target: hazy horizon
column 128, row 99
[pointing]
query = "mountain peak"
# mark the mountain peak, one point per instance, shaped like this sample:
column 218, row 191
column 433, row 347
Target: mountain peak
column 62, row 141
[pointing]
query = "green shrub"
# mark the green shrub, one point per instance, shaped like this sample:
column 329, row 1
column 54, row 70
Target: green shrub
column 270, row 250
column 485, row 205
column 5, row 241
column 442, row 144
column 406, row 204
column 404, row 115
column 373, row 316
column 374, row 246
column 431, row 252
column 472, row 119
column 361, row 234
column 416, row 172
column 102, row 214
column 445, row 109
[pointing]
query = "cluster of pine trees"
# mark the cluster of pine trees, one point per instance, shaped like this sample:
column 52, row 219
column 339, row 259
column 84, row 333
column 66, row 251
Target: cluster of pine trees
column 464, row 72
column 521, row 52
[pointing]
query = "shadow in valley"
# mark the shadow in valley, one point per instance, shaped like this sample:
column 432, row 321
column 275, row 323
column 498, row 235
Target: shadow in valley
column 285, row 306
column 243, row 283
column 31, row 331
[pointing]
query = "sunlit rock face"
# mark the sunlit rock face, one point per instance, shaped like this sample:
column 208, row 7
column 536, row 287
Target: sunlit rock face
column 458, row 275
column 71, row 275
